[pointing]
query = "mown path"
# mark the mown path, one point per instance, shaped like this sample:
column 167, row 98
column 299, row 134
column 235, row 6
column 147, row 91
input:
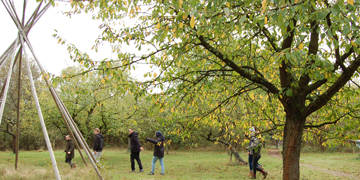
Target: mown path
column 276, row 153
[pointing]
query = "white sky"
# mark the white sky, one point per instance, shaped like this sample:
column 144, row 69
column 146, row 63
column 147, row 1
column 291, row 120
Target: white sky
column 80, row 30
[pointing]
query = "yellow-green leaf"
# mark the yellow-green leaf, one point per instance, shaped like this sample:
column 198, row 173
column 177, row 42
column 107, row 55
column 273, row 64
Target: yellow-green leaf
column 263, row 6
column 301, row 46
column 158, row 26
column 351, row 2
column 265, row 20
column 192, row 21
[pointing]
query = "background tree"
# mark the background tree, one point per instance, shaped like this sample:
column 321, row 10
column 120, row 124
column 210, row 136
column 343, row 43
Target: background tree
column 30, row 136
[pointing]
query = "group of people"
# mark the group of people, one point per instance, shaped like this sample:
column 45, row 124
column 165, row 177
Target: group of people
column 254, row 151
column 135, row 147
column 98, row 147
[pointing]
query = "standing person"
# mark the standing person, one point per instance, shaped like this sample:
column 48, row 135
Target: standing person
column 158, row 152
column 135, row 150
column 253, row 130
column 255, row 150
column 98, row 144
column 70, row 154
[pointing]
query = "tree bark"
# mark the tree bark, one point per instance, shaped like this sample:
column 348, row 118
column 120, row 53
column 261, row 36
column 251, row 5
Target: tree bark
column 292, row 146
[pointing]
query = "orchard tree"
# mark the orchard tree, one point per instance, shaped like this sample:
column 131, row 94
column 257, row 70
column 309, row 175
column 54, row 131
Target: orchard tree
column 299, row 53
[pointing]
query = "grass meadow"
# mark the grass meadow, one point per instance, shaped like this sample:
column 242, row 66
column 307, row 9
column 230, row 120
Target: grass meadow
column 184, row 164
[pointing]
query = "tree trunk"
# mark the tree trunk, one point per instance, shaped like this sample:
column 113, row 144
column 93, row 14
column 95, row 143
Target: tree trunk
column 292, row 145
column 14, row 144
column 233, row 151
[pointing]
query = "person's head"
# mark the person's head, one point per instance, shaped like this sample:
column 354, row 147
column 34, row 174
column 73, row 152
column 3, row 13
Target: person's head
column 252, row 131
column 96, row 131
column 131, row 130
column 67, row 137
column 158, row 133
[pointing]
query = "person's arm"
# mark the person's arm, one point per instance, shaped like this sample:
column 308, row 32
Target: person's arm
column 152, row 140
column 138, row 142
column 96, row 142
column 255, row 145
column 71, row 147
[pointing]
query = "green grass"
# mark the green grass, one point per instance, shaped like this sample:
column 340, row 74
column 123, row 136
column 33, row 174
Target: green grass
column 189, row 164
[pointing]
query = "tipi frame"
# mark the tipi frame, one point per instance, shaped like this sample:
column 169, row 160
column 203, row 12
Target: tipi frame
column 19, row 46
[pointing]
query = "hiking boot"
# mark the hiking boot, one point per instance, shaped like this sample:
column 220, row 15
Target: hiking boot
column 141, row 170
column 150, row 173
column 250, row 174
column 132, row 171
column 75, row 166
column 162, row 173
column 253, row 176
column 265, row 174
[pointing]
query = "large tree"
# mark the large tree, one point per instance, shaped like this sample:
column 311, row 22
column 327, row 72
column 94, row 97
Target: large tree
column 300, row 54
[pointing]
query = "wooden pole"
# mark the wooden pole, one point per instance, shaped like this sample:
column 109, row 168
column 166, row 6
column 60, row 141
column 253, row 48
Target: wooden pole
column 18, row 115
column 33, row 19
column 57, row 99
column 3, row 99
column 45, row 76
column 18, row 100
column 37, row 104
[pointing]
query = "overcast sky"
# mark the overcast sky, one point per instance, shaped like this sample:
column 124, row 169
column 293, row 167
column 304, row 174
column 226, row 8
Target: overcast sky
column 80, row 30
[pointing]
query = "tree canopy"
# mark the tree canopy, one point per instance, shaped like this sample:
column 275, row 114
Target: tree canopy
column 301, row 58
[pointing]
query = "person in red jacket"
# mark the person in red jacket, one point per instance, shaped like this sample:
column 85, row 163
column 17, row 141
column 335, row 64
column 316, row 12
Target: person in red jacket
column 158, row 152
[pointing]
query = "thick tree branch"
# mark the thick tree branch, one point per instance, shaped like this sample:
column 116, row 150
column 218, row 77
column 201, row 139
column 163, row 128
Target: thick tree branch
column 285, row 77
column 313, row 49
column 257, row 79
column 327, row 95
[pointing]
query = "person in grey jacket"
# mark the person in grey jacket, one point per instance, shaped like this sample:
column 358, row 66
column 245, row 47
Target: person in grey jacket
column 158, row 152
column 255, row 150
column 253, row 130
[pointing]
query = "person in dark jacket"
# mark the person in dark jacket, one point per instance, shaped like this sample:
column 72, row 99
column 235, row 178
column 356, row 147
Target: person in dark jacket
column 158, row 152
column 98, row 144
column 255, row 150
column 70, row 154
column 135, row 150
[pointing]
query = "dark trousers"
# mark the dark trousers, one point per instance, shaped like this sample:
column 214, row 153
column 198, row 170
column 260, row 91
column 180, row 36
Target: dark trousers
column 250, row 162
column 68, row 160
column 133, row 156
column 254, row 164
